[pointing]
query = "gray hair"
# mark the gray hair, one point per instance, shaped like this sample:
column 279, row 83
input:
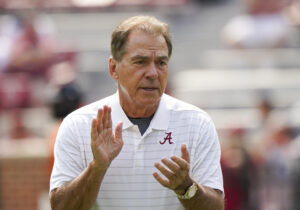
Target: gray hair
column 148, row 24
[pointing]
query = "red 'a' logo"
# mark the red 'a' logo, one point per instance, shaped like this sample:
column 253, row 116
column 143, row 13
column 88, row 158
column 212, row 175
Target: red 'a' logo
column 167, row 138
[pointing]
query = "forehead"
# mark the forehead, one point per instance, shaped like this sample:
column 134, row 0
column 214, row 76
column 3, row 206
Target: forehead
column 146, row 44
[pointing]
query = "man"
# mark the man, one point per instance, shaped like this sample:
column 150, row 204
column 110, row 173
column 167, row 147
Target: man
column 139, row 148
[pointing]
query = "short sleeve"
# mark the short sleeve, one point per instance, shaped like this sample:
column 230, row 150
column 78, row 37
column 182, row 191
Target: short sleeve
column 206, row 154
column 68, row 162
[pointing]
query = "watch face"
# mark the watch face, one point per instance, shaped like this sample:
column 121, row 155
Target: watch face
column 192, row 191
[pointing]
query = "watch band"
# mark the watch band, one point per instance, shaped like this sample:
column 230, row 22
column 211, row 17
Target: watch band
column 191, row 192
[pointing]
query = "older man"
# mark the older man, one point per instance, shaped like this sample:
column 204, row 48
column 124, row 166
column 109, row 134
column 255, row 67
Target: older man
column 139, row 148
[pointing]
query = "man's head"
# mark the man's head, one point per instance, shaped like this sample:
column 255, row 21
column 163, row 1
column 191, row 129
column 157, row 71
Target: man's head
column 148, row 24
column 141, row 48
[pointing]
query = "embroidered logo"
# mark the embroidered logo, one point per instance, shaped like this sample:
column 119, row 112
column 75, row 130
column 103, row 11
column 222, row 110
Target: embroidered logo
column 167, row 138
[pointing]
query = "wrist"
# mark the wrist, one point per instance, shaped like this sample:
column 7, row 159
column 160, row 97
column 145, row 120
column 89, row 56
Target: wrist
column 189, row 193
column 182, row 191
column 97, row 167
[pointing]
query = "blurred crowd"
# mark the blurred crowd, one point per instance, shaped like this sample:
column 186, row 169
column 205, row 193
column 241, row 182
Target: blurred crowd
column 32, row 66
column 261, row 166
column 263, row 24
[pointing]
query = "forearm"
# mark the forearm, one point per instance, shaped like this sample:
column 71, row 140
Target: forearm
column 79, row 194
column 205, row 199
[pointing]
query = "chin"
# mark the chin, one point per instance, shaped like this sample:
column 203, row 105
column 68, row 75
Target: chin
column 150, row 101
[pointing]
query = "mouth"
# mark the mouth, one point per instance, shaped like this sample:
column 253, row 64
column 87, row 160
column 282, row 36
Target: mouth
column 149, row 89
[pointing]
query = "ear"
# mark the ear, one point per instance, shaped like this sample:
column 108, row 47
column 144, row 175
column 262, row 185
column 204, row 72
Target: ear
column 112, row 65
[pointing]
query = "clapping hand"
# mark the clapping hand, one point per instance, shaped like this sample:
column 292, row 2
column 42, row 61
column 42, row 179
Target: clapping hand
column 176, row 172
column 105, row 145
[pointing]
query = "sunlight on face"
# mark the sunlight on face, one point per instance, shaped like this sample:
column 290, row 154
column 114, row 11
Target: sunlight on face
column 143, row 70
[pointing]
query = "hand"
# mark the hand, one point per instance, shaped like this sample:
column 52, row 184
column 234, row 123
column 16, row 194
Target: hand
column 105, row 145
column 176, row 170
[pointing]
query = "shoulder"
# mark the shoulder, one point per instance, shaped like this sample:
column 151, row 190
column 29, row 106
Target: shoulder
column 177, row 106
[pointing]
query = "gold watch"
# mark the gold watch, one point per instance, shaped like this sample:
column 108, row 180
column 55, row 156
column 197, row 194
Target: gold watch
column 191, row 192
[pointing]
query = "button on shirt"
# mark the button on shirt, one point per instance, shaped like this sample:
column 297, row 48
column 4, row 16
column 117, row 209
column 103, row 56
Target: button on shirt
column 128, row 183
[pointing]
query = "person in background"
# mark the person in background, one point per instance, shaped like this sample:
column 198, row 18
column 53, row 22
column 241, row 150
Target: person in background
column 29, row 50
column 68, row 99
column 30, row 43
column 238, row 171
column 65, row 97
column 23, row 38
column 138, row 148
column 261, row 26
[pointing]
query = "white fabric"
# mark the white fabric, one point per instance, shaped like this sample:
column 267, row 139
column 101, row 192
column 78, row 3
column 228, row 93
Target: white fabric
column 256, row 31
column 128, row 183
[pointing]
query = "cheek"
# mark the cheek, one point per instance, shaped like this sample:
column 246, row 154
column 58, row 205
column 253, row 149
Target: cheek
column 163, row 79
column 130, row 81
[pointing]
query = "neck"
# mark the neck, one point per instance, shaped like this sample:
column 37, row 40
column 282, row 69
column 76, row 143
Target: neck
column 138, row 111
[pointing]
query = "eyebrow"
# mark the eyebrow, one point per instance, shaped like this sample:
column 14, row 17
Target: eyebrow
column 137, row 57
column 163, row 57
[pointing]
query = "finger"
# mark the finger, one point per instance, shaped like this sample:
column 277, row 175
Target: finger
column 184, row 165
column 108, row 121
column 99, row 120
column 118, row 132
column 104, row 118
column 171, row 165
column 163, row 182
column 94, row 132
column 166, row 172
column 185, row 153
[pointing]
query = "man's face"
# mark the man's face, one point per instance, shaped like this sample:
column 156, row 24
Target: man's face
column 142, row 73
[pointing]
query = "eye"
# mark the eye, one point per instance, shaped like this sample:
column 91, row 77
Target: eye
column 139, row 62
column 162, row 63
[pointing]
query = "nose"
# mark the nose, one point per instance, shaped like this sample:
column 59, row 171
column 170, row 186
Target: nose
column 152, row 71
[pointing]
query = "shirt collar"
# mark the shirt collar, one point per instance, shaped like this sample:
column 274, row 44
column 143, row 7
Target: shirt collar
column 118, row 114
column 161, row 117
column 160, row 120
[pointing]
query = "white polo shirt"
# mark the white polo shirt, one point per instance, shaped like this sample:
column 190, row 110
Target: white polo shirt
column 128, row 183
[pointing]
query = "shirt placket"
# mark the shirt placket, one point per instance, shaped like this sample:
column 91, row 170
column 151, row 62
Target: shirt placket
column 138, row 150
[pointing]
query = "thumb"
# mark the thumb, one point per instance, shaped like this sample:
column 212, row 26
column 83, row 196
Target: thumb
column 185, row 153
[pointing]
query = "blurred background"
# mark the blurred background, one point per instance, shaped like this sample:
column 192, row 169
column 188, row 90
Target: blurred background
column 236, row 59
